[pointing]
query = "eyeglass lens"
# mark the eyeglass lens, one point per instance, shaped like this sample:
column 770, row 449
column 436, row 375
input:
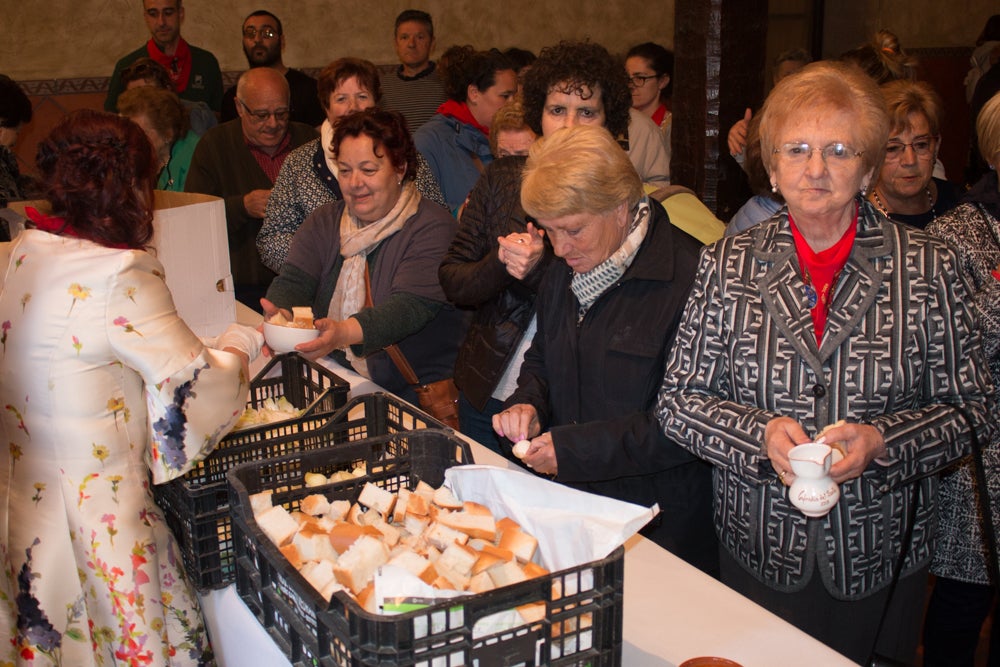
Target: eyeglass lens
column 250, row 32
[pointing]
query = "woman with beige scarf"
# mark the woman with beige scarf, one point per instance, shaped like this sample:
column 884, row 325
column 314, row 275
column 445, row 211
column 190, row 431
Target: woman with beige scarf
column 382, row 234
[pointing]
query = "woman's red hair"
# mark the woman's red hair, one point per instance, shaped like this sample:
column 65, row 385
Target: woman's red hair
column 98, row 171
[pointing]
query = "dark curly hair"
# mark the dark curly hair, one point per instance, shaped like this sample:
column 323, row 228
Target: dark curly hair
column 98, row 170
column 570, row 67
column 387, row 130
column 462, row 66
column 341, row 70
column 15, row 107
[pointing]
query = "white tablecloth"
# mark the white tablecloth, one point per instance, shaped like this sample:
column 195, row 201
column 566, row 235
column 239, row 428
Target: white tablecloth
column 672, row 611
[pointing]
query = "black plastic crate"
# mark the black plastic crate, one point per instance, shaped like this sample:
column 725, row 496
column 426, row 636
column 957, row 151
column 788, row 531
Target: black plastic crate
column 583, row 619
column 196, row 506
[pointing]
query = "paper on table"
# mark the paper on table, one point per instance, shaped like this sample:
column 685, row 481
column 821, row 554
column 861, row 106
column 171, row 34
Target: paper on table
column 572, row 527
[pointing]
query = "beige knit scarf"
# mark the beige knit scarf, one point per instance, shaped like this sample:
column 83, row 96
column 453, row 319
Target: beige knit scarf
column 357, row 240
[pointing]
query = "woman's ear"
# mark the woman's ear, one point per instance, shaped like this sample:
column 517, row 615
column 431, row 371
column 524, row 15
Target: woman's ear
column 664, row 81
column 622, row 217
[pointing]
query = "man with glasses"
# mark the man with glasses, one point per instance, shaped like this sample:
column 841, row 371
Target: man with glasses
column 239, row 161
column 194, row 72
column 263, row 45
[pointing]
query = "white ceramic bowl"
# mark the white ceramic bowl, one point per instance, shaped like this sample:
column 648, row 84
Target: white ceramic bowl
column 284, row 339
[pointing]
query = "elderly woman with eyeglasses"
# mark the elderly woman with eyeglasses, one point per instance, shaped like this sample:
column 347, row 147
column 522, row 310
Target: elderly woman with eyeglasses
column 907, row 190
column 829, row 321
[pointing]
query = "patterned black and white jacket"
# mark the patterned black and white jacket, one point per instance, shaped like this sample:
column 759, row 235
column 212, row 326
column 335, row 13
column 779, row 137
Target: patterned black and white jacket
column 899, row 348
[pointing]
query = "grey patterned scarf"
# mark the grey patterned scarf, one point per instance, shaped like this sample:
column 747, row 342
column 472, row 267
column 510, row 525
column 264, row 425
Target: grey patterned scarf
column 592, row 284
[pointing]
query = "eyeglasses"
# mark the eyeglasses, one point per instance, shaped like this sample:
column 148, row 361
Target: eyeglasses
column 833, row 154
column 639, row 80
column 922, row 146
column 267, row 32
column 260, row 117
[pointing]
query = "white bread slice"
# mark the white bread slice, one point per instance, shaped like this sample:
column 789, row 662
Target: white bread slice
column 390, row 534
column 459, row 558
column 474, row 520
column 354, row 515
column 314, row 544
column 442, row 536
column 485, row 562
column 377, row 498
column 481, row 583
column 415, row 564
column 424, row 490
column 506, row 555
column 339, row 509
column 533, row 569
column 399, row 507
column 278, row 525
column 291, row 554
column 261, row 502
column 331, row 588
column 520, row 543
column 533, row 612
column 357, row 565
column 315, row 504
column 302, row 317
column 507, row 523
column 417, row 504
column 319, row 575
column 507, row 574
column 415, row 525
column 448, row 578
column 366, row 598
column 444, row 498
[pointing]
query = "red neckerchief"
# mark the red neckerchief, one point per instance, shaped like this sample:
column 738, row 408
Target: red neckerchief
column 53, row 224
column 820, row 270
column 460, row 112
column 178, row 65
column 658, row 115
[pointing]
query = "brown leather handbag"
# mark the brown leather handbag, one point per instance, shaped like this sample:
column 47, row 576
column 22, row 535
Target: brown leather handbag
column 438, row 399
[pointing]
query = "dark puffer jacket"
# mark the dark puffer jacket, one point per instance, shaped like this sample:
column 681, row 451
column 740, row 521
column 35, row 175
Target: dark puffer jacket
column 594, row 384
column 473, row 277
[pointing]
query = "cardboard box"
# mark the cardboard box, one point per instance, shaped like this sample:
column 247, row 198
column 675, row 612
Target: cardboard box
column 190, row 241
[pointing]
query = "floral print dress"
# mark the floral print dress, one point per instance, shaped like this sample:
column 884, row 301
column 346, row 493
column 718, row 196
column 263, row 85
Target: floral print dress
column 100, row 383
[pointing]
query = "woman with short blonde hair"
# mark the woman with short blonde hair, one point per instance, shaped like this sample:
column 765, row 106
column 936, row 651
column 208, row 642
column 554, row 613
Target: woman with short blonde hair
column 588, row 383
column 570, row 173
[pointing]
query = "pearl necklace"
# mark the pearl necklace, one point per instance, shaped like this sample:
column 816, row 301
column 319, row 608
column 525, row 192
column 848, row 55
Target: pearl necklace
column 885, row 211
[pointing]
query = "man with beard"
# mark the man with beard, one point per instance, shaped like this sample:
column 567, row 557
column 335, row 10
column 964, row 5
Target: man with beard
column 194, row 72
column 239, row 161
column 263, row 44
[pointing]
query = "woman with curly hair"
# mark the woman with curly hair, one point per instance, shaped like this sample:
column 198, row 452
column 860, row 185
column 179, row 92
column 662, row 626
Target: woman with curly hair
column 102, row 385
column 456, row 140
column 497, row 259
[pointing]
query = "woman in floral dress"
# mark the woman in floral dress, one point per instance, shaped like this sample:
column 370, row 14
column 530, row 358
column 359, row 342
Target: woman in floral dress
column 100, row 383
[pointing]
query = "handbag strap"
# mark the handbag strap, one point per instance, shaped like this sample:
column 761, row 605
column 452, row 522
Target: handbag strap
column 394, row 352
column 988, row 532
column 983, row 497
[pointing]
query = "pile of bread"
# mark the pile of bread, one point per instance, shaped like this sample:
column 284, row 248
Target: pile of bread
column 302, row 318
column 447, row 543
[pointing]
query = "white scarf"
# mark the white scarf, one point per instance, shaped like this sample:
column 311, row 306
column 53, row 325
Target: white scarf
column 357, row 240
column 592, row 284
column 326, row 141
